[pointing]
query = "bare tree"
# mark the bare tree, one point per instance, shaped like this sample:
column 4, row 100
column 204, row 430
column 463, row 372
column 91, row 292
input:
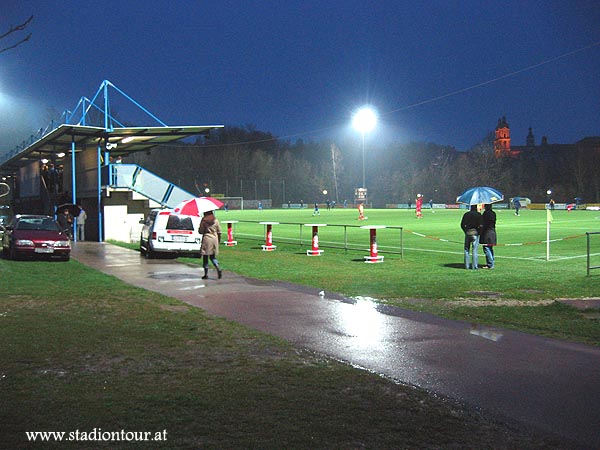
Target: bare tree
column 16, row 29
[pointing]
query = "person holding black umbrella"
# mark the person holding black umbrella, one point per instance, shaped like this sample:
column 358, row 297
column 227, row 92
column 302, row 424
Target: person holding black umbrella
column 488, row 234
column 471, row 226
column 65, row 221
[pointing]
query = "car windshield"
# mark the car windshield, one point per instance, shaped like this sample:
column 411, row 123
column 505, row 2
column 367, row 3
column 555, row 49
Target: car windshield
column 37, row 224
column 179, row 223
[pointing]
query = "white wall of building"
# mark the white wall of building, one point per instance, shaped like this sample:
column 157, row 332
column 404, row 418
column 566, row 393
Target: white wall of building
column 120, row 226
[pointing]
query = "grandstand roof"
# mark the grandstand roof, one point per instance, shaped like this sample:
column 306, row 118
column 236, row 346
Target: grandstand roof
column 119, row 141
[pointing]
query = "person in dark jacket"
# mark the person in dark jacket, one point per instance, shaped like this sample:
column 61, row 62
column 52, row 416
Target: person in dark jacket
column 471, row 226
column 65, row 222
column 488, row 235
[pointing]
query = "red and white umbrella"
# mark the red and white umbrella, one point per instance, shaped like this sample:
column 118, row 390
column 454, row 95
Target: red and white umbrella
column 197, row 206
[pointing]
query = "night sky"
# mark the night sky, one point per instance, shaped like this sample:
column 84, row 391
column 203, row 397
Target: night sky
column 437, row 71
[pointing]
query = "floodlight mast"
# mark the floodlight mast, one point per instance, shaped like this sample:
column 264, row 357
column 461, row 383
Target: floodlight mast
column 364, row 121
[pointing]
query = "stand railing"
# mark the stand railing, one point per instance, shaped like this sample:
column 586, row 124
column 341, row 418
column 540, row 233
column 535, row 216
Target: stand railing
column 144, row 182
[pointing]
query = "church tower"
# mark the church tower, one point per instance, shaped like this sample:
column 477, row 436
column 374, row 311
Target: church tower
column 502, row 140
column 530, row 138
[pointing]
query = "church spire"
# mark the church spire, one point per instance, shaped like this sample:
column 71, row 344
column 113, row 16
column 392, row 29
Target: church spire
column 530, row 139
column 502, row 140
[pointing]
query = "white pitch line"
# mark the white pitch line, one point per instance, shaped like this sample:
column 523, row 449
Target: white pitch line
column 433, row 251
column 573, row 257
column 523, row 258
column 531, row 258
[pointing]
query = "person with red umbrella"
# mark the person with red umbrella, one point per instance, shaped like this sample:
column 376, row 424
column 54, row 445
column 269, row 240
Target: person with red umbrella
column 197, row 206
column 210, row 229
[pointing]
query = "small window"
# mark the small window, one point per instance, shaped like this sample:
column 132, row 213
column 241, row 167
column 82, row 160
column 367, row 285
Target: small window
column 151, row 217
column 179, row 223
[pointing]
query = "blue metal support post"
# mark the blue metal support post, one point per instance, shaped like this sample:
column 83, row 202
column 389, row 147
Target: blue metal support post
column 73, row 183
column 99, row 161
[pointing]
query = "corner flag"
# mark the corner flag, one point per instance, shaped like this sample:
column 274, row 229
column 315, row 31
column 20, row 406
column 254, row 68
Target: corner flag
column 549, row 220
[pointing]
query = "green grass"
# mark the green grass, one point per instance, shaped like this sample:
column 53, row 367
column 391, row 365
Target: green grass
column 519, row 238
column 431, row 275
column 82, row 350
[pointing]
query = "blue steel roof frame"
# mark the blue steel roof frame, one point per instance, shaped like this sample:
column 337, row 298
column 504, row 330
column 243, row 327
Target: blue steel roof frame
column 22, row 154
column 108, row 118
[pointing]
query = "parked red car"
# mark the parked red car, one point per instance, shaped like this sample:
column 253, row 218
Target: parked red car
column 35, row 236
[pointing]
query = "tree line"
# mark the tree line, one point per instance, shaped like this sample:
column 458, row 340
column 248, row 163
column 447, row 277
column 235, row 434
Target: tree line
column 242, row 161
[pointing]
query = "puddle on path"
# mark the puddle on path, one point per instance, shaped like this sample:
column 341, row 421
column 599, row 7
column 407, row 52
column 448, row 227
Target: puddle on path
column 174, row 276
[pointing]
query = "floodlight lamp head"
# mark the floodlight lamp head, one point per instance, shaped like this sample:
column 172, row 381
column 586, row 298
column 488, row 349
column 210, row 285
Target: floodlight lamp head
column 364, row 120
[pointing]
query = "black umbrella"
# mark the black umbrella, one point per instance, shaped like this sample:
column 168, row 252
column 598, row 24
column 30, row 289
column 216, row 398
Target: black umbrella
column 480, row 195
column 73, row 209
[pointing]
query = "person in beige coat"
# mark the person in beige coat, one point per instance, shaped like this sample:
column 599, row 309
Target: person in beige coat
column 210, row 229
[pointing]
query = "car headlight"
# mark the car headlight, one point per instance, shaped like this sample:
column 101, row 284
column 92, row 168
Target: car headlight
column 61, row 244
column 23, row 243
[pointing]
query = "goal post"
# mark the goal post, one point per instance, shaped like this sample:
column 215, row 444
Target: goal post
column 592, row 257
column 232, row 202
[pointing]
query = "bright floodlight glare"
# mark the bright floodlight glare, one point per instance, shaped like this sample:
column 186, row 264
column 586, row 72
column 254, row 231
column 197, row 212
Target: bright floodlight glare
column 364, row 120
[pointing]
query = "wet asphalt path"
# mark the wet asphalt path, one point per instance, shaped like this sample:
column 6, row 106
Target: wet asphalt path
column 549, row 385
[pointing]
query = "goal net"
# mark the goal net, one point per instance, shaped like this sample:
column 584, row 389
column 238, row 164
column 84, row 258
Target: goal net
column 232, row 202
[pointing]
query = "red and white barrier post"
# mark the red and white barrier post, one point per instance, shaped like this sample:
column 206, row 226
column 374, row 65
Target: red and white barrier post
column 269, row 236
column 314, row 251
column 373, row 256
column 230, row 242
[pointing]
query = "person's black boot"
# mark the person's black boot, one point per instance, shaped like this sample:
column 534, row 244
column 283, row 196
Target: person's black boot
column 205, row 277
column 220, row 272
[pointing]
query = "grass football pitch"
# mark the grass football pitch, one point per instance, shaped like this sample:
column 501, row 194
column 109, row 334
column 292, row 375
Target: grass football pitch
column 423, row 258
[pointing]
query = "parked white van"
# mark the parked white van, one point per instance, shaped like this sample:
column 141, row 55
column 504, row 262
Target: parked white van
column 167, row 233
